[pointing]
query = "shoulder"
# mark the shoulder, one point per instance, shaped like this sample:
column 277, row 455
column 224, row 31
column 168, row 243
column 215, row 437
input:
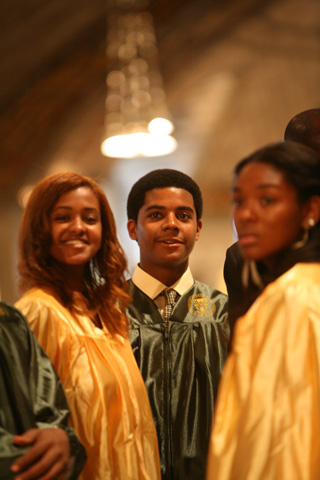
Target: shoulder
column 11, row 317
column 209, row 291
column 233, row 254
column 303, row 278
column 136, row 293
column 37, row 294
column 40, row 307
column 9, row 313
column 296, row 291
column 16, row 337
column 289, row 303
column 38, row 298
column 308, row 273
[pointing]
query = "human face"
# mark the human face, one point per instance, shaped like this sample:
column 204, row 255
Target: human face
column 267, row 215
column 76, row 228
column 166, row 230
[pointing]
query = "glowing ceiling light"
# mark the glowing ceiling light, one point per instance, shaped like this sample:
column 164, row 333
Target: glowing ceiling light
column 138, row 144
column 161, row 126
column 136, row 122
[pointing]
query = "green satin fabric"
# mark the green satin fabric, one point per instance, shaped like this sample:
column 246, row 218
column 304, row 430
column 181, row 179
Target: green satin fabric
column 31, row 395
column 181, row 364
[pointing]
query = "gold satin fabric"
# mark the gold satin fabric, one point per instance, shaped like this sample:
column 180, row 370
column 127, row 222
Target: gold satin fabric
column 267, row 419
column 109, row 407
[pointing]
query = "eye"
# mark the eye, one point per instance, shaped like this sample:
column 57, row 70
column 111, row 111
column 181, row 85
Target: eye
column 61, row 218
column 267, row 200
column 91, row 220
column 155, row 215
column 184, row 216
column 236, row 202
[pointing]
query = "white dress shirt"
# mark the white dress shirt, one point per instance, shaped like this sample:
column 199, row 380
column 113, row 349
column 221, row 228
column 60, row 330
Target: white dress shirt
column 153, row 288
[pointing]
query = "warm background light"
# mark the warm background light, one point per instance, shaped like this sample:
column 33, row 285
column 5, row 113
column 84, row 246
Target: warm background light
column 230, row 73
column 160, row 126
column 138, row 144
column 136, row 121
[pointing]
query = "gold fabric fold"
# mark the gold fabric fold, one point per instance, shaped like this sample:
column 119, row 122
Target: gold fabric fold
column 267, row 418
column 109, row 408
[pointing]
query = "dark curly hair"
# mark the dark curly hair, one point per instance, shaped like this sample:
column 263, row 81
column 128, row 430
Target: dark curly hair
column 104, row 278
column 162, row 178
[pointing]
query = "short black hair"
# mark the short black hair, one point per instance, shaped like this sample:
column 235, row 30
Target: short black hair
column 162, row 178
column 305, row 128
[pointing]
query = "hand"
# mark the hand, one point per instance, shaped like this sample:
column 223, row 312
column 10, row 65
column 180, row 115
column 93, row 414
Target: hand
column 48, row 457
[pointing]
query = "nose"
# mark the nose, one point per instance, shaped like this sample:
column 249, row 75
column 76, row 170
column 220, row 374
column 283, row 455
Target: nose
column 170, row 221
column 245, row 213
column 77, row 225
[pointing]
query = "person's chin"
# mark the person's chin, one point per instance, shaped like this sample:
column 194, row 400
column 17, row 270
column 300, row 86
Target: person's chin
column 77, row 260
column 173, row 260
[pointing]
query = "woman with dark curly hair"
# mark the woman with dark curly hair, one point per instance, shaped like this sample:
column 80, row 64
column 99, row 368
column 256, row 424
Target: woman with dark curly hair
column 72, row 268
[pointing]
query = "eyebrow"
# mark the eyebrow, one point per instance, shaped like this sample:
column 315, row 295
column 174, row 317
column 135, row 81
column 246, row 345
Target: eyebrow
column 66, row 207
column 260, row 187
column 162, row 207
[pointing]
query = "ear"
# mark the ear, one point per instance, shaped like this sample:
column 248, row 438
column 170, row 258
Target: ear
column 199, row 226
column 312, row 213
column 131, row 226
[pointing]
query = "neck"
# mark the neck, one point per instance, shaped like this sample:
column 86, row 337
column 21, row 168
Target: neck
column 167, row 276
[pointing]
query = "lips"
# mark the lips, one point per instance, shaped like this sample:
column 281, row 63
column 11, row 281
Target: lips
column 247, row 239
column 170, row 241
column 75, row 241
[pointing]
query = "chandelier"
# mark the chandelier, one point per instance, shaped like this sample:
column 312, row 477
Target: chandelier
column 137, row 121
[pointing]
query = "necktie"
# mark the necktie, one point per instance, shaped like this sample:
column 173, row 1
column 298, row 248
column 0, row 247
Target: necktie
column 170, row 297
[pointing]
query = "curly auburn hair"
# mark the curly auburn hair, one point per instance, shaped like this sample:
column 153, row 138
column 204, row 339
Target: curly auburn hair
column 104, row 280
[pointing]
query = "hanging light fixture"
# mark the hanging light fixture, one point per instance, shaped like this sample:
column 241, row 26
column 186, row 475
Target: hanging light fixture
column 137, row 120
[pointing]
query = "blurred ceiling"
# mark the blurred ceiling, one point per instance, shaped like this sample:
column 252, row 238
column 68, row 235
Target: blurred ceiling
column 224, row 64
column 234, row 72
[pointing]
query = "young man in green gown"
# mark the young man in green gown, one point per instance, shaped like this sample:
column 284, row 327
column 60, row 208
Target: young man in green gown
column 180, row 349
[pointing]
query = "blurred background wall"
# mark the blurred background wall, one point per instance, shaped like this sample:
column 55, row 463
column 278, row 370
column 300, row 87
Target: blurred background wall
column 234, row 72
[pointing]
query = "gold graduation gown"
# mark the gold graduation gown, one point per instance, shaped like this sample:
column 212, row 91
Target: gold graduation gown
column 267, row 423
column 109, row 408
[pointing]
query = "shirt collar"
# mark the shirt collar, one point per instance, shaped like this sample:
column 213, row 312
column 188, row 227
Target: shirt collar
column 152, row 287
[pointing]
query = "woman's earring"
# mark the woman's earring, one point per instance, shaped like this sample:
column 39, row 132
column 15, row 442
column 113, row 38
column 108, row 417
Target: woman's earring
column 305, row 236
column 301, row 243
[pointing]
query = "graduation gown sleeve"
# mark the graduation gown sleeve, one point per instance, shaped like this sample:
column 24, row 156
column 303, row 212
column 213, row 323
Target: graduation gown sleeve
column 31, row 392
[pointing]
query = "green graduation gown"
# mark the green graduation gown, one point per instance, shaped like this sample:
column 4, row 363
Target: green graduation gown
column 31, row 395
column 181, row 363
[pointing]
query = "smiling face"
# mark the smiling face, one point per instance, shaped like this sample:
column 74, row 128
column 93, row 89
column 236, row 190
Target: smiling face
column 166, row 230
column 76, row 227
column 267, row 215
